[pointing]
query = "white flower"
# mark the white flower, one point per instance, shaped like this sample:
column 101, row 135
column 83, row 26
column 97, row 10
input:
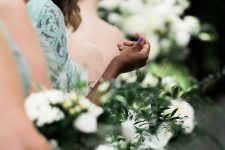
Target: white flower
column 205, row 37
column 168, row 82
column 86, row 123
column 135, row 23
column 115, row 18
column 92, row 108
column 184, row 110
column 104, row 87
column 105, row 147
column 39, row 109
column 192, row 24
column 182, row 38
column 109, row 4
column 157, row 141
column 131, row 6
column 54, row 144
column 155, row 49
column 150, row 80
column 129, row 77
column 128, row 130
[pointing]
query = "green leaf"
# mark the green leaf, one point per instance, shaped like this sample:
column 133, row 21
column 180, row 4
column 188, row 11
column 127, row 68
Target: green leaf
column 174, row 112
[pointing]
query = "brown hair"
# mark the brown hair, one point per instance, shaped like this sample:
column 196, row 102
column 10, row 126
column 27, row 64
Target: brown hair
column 71, row 12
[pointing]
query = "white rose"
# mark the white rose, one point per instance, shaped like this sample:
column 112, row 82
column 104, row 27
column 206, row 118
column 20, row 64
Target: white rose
column 128, row 130
column 105, row 147
column 184, row 109
column 150, row 80
column 157, row 141
column 86, row 123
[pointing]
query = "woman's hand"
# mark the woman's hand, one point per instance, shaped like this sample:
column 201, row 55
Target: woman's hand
column 134, row 55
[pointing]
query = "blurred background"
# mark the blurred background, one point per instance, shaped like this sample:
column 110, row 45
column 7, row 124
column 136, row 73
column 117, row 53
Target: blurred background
column 188, row 42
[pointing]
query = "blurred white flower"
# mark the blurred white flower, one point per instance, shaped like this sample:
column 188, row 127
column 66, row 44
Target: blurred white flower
column 168, row 82
column 105, row 147
column 155, row 49
column 115, row 18
column 205, row 37
column 131, row 6
column 39, row 107
column 86, row 123
column 150, row 80
column 182, row 38
column 192, row 24
column 157, row 141
column 129, row 77
column 135, row 23
column 109, row 4
column 128, row 130
column 184, row 110
column 54, row 144
column 104, row 87
column 92, row 108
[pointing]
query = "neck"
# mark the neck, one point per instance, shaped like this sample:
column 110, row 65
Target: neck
column 89, row 6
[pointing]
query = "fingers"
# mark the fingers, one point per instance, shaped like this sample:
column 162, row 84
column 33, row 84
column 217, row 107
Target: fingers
column 141, row 39
column 145, row 46
column 121, row 47
column 125, row 44
column 129, row 43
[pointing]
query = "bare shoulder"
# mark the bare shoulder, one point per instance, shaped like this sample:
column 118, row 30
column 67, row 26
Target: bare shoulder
column 113, row 30
column 9, row 5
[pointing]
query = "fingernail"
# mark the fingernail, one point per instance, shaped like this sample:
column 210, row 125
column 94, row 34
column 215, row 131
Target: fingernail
column 140, row 40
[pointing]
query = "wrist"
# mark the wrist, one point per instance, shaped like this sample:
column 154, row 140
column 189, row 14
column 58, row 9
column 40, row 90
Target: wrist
column 112, row 71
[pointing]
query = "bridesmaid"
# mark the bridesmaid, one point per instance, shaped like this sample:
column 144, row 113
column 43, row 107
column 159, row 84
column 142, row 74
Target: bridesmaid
column 95, row 31
column 49, row 22
column 24, row 35
column 16, row 130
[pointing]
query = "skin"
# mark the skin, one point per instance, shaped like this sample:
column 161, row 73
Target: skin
column 16, row 130
column 19, row 25
column 98, row 32
column 88, row 56
column 133, row 56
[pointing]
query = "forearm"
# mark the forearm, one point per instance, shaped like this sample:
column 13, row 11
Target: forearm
column 25, row 38
column 18, row 132
column 111, row 73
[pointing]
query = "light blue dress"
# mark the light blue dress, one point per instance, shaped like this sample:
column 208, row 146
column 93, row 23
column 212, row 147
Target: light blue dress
column 48, row 20
column 21, row 62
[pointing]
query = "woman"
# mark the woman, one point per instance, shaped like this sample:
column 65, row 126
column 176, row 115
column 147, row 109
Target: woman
column 23, row 34
column 13, row 120
column 107, row 35
column 50, row 24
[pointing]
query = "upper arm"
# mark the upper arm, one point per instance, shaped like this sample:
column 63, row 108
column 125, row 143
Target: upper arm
column 51, row 28
column 20, row 28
